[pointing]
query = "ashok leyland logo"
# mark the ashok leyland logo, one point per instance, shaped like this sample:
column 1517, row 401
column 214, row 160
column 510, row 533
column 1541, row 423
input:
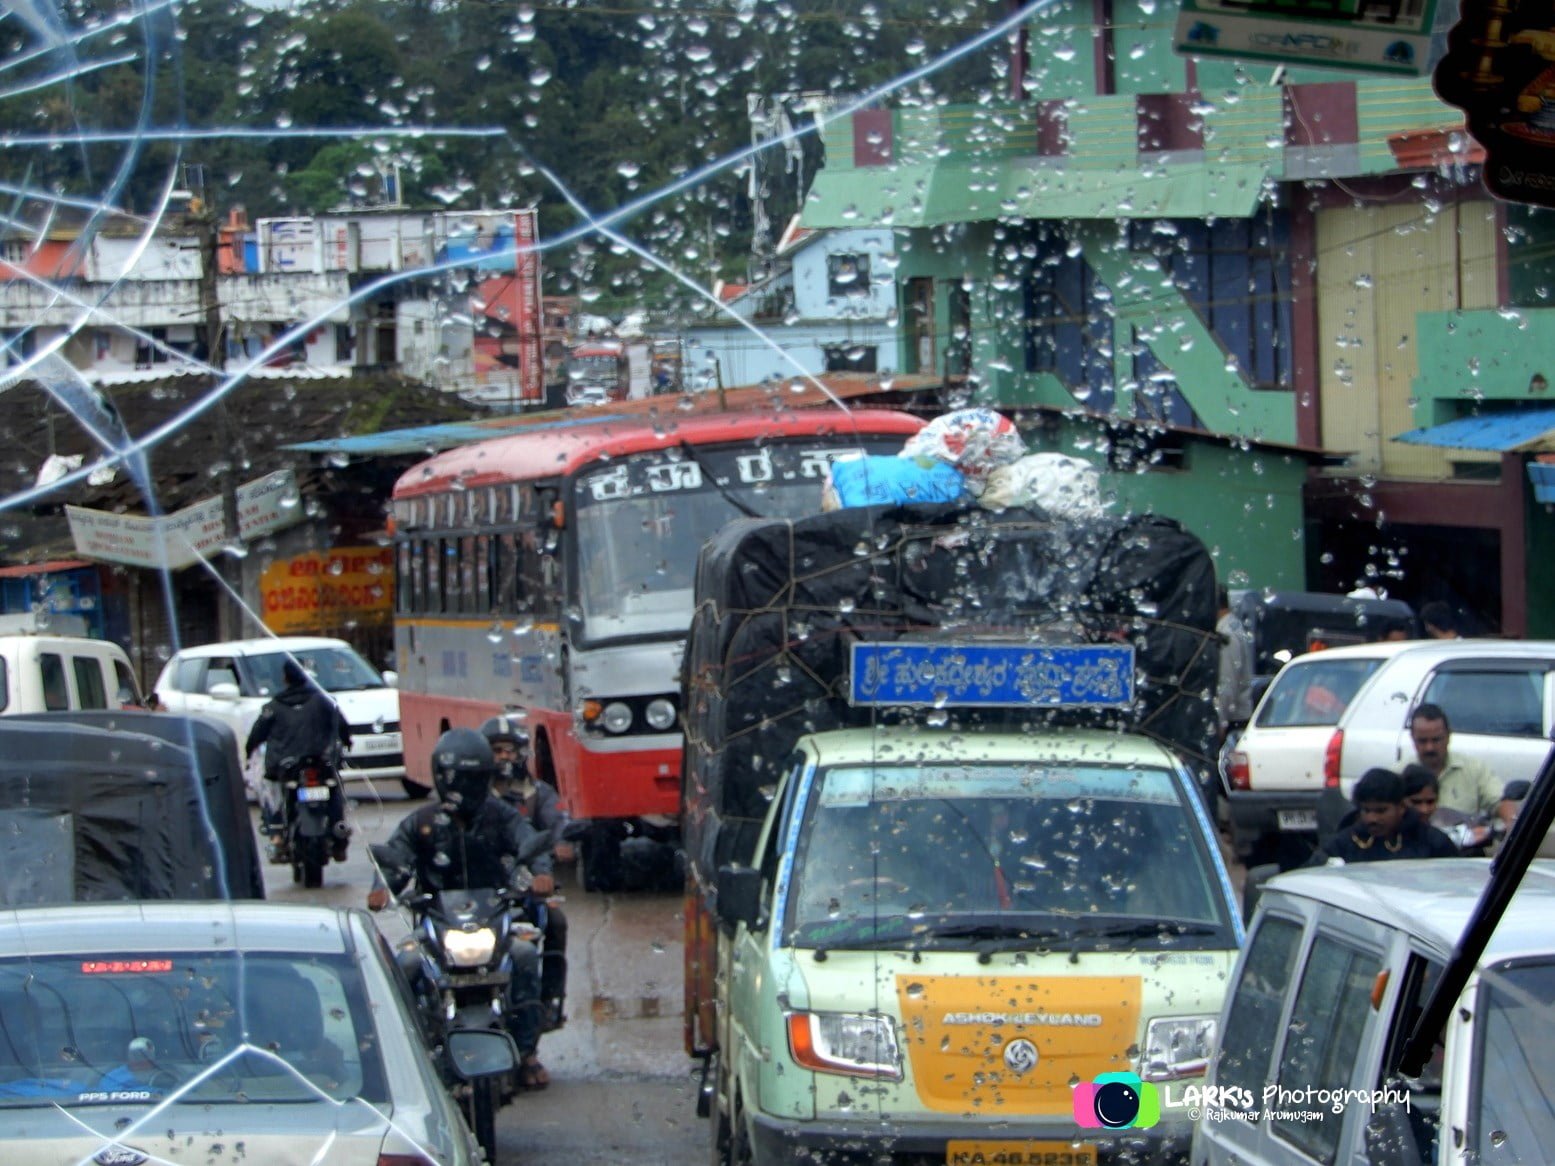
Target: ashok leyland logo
column 1116, row 1101
column 1020, row 1056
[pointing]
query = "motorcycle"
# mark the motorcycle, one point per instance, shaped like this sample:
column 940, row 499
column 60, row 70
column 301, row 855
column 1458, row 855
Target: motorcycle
column 313, row 823
column 461, row 971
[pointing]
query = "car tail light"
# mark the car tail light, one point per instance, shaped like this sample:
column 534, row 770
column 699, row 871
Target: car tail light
column 1331, row 759
column 1238, row 772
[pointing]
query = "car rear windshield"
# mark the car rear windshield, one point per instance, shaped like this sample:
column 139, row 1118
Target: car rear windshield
column 1313, row 692
column 111, row 1028
column 1104, row 855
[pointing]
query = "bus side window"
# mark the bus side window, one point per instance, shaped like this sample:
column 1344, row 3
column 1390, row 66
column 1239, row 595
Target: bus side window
column 469, row 562
column 534, row 575
column 505, row 553
column 418, row 578
column 483, row 548
column 436, row 567
column 402, row 599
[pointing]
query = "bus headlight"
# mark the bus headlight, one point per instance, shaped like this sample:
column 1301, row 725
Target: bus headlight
column 1177, row 1047
column 616, row 717
column 660, row 714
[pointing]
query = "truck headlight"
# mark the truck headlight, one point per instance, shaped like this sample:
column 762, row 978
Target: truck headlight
column 1177, row 1046
column 470, row 949
column 616, row 717
column 660, row 714
column 854, row 1044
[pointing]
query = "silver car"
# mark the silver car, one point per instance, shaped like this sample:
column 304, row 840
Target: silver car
column 241, row 1032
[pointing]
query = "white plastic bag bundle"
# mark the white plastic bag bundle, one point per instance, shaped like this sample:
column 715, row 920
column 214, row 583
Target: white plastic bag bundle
column 974, row 441
column 1058, row 485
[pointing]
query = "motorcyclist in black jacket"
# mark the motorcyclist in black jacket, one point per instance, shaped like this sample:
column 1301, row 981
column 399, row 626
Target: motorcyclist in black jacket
column 539, row 802
column 470, row 840
column 301, row 720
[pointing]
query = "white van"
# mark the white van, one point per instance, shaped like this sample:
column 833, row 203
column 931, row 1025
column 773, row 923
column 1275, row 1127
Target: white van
column 46, row 673
column 1340, row 963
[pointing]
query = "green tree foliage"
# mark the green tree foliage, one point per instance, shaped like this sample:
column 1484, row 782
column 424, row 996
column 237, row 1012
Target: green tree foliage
column 617, row 99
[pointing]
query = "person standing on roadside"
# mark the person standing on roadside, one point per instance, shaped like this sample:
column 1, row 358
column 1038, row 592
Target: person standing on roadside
column 1463, row 783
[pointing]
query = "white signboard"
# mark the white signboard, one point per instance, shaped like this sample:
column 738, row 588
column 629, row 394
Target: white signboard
column 185, row 537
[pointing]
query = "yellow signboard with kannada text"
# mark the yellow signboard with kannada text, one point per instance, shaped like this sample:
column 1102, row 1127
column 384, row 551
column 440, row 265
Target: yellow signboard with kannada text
column 320, row 591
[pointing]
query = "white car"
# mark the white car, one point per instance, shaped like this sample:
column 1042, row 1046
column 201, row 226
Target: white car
column 244, row 1032
column 1330, row 716
column 231, row 681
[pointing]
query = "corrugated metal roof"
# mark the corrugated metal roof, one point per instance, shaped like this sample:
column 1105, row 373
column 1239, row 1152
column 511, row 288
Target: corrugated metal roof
column 1523, row 431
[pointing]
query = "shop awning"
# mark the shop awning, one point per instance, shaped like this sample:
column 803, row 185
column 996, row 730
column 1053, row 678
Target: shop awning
column 924, row 195
column 1522, row 431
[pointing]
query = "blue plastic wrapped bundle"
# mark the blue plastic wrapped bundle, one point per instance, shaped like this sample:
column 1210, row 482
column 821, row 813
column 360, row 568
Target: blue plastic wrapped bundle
column 877, row 481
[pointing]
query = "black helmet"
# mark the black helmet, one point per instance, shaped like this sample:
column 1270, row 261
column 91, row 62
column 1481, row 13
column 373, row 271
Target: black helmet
column 462, row 769
column 505, row 730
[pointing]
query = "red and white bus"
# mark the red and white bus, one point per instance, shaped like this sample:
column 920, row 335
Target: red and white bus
column 550, row 573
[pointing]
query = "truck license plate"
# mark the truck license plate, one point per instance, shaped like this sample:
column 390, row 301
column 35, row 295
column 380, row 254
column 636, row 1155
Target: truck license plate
column 313, row 793
column 1296, row 819
column 1019, row 1154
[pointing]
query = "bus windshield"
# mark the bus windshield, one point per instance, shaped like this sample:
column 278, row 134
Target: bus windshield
column 642, row 521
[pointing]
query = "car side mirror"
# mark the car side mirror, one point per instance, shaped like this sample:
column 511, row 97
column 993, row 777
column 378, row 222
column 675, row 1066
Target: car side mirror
column 739, row 896
column 480, row 1052
column 223, row 691
column 391, row 679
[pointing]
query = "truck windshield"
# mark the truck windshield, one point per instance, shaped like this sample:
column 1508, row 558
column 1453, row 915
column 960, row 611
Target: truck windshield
column 930, row 856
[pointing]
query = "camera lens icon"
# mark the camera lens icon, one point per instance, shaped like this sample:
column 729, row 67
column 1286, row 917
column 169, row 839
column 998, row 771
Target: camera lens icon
column 1116, row 1101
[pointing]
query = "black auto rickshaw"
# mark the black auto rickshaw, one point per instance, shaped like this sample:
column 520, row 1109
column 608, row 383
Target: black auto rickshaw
column 1285, row 624
column 108, row 805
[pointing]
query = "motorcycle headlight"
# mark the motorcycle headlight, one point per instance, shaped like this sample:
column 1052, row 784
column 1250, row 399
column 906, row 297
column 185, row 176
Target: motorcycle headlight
column 469, row 949
column 617, row 717
column 853, row 1044
column 660, row 714
column 1177, row 1046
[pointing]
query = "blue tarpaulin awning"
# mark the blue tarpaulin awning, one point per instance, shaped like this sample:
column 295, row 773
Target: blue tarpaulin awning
column 1520, row 431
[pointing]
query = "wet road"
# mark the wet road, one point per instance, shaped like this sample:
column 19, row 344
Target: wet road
column 622, row 1088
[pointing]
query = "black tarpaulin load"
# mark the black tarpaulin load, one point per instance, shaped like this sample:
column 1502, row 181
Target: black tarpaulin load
column 91, row 812
column 780, row 604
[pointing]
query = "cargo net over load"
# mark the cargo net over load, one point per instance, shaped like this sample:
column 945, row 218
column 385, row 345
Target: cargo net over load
column 951, row 616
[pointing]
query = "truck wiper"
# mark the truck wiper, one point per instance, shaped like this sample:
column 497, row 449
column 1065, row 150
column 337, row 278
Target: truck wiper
column 1146, row 930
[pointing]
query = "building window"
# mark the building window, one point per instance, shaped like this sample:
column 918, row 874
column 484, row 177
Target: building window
column 1236, row 275
column 850, row 358
column 847, row 274
column 1069, row 320
column 343, row 345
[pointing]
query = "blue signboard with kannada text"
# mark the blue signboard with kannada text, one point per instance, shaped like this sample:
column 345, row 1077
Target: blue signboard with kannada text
column 992, row 675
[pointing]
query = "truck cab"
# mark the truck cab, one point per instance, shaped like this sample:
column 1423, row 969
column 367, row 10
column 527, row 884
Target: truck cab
column 951, row 944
